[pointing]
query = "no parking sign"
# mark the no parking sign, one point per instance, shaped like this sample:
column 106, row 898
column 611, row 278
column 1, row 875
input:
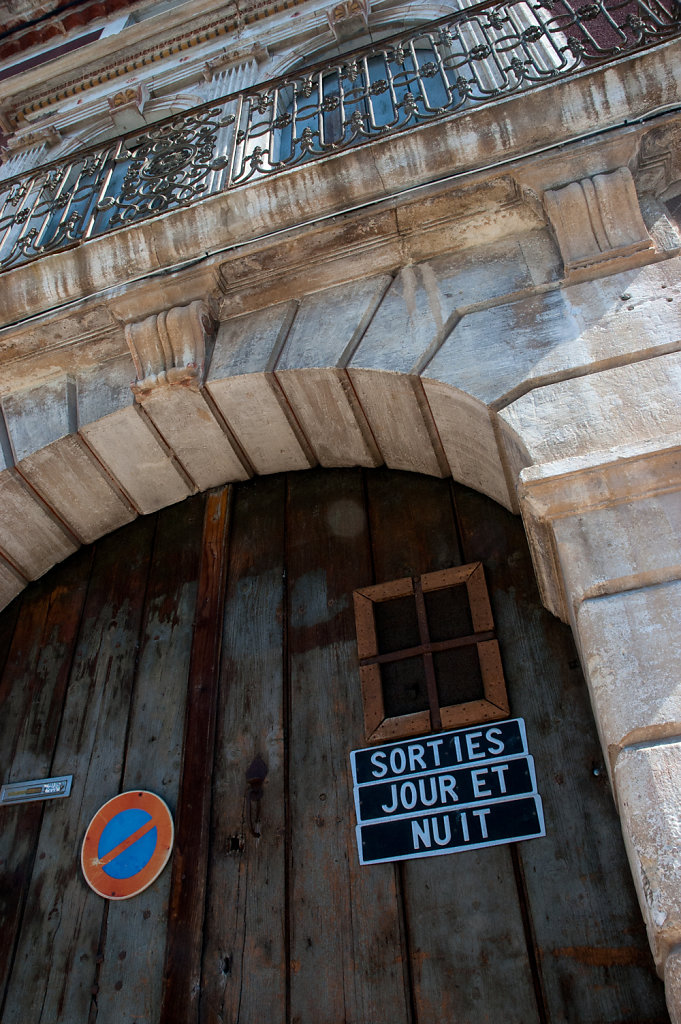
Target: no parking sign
column 127, row 844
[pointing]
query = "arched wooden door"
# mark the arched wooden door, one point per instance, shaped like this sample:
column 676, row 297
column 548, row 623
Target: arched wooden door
column 174, row 653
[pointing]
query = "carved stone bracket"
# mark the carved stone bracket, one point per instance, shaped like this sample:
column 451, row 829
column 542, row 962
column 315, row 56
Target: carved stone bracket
column 170, row 347
column 597, row 222
column 348, row 18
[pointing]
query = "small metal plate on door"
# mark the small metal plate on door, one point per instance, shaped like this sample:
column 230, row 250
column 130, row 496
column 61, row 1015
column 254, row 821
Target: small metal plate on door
column 37, row 789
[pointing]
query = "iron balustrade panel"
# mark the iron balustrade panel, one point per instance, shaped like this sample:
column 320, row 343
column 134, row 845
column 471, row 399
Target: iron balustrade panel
column 477, row 56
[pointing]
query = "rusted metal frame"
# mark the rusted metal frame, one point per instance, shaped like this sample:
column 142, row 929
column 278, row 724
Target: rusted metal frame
column 429, row 667
column 190, row 861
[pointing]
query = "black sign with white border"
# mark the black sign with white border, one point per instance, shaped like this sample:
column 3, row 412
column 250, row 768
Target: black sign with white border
column 466, row 828
column 458, row 790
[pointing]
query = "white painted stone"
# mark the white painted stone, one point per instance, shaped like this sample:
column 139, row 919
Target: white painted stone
column 186, row 422
column 400, row 421
column 495, row 353
column 71, row 481
column 672, row 985
column 465, row 428
column 30, row 536
column 625, row 405
column 648, row 783
column 631, row 645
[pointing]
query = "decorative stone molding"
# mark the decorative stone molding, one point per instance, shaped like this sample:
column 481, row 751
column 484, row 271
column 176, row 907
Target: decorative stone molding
column 170, row 347
column 130, row 97
column 598, row 221
column 48, row 136
column 348, row 18
column 229, row 58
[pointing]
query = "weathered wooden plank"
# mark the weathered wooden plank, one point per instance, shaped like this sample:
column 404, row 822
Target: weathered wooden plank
column 469, row 960
column 131, row 973
column 590, row 937
column 182, row 972
column 244, row 958
column 54, row 975
column 346, row 946
column 31, row 696
column 8, row 621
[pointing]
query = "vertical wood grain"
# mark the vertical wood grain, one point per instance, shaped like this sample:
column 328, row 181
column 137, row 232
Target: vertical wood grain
column 347, row 951
column 244, row 958
column 131, row 973
column 468, row 955
column 590, row 939
column 32, row 688
column 54, row 973
column 182, row 972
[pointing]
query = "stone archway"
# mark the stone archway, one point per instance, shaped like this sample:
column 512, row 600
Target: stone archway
column 560, row 401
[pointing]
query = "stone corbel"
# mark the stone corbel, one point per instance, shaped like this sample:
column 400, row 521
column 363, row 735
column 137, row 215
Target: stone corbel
column 230, row 58
column 126, row 107
column 170, row 348
column 348, row 18
column 598, row 224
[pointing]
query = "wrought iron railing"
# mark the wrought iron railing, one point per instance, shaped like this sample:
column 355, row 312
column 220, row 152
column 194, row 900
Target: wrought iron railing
column 476, row 56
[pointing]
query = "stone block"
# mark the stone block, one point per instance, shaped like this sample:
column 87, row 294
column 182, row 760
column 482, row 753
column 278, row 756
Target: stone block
column 648, row 783
column 324, row 403
column 310, row 370
column 186, row 422
column 250, row 343
column 400, row 421
column 38, row 416
column 416, row 311
column 32, row 538
column 124, row 440
column 72, row 482
column 631, row 645
column 493, row 354
column 104, row 390
column 136, row 457
column 255, row 409
column 598, row 527
column 329, row 324
column 241, row 383
column 465, row 429
column 626, row 405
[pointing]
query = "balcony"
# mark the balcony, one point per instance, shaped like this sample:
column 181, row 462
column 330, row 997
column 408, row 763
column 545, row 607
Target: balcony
column 488, row 85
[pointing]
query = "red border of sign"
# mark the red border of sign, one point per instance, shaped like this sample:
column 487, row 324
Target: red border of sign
column 123, row 888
